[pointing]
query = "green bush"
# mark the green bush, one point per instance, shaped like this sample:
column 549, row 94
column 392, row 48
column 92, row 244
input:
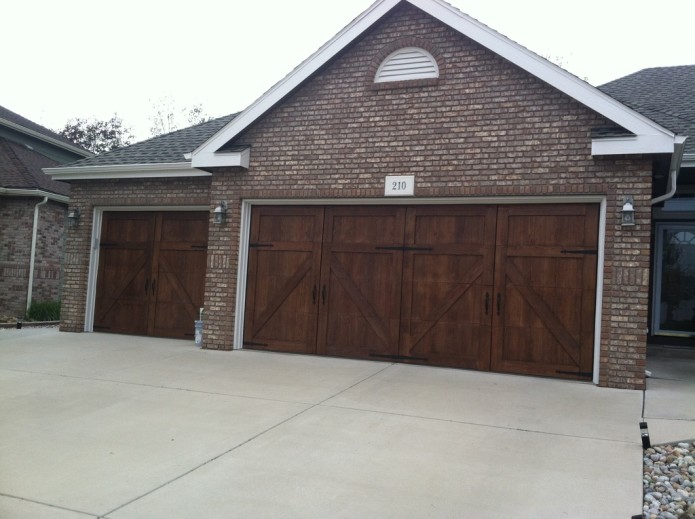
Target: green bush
column 44, row 311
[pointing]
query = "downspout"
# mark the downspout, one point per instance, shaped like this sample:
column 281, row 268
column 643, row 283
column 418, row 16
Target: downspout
column 674, row 168
column 33, row 250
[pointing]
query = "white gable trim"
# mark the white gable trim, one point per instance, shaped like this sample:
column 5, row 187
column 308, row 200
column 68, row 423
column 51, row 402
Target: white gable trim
column 659, row 140
column 164, row 170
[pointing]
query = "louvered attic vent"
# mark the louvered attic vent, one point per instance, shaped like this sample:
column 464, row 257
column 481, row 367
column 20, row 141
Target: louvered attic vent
column 407, row 64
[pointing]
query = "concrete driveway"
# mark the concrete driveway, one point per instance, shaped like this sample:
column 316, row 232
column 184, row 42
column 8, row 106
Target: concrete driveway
column 97, row 425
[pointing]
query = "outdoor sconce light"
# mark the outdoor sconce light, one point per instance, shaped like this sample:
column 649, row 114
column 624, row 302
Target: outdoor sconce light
column 628, row 213
column 220, row 213
column 74, row 217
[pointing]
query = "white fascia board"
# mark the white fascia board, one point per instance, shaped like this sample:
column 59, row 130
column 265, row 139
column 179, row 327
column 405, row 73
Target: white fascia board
column 295, row 78
column 633, row 145
column 207, row 159
column 5, row 191
column 555, row 76
column 45, row 138
column 165, row 170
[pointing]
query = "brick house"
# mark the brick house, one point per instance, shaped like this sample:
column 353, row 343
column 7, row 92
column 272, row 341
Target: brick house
column 421, row 189
column 33, row 209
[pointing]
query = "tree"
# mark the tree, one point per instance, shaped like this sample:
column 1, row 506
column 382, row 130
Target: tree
column 167, row 118
column 98, row 136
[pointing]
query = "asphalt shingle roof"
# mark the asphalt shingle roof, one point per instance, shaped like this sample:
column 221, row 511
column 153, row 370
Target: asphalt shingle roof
column 20, row 168
column 9, row 115
column 167, row 148
column 665, row 95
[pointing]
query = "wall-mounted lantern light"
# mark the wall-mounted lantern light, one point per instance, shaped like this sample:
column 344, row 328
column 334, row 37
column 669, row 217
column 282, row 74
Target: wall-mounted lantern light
column 628, row 212
column 74, row 217
column 220, row 213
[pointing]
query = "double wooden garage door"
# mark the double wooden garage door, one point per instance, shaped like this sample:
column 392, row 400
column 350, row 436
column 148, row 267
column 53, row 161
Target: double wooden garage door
column 151, row 277
column 503, row 288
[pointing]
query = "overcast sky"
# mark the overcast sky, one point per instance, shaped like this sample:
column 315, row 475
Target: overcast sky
column 87, row 58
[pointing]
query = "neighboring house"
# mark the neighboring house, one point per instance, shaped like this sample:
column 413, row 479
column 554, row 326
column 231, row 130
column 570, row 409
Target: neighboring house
column 421, row 189
column 32, row 212
column 667, row 95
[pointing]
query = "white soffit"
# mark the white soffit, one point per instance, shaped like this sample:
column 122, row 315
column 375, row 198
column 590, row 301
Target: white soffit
column 171, row 170
column 658, row 139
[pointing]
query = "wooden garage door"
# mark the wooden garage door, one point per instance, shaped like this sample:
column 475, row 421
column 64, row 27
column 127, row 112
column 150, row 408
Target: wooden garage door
column 507, row 288
column 151, row 278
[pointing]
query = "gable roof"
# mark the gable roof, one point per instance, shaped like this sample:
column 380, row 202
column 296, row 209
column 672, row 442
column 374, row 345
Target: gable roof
column 164, row 155
column 23, row 125
column 646, row 135
column 664, row 94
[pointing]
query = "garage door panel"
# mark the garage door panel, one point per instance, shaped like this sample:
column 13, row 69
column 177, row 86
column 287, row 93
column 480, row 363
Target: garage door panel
column 283, row 279
column 445, row 278
column 456, row 333
column 545, row 281
column 367, row 226
column 524, row 351
column 361, row 293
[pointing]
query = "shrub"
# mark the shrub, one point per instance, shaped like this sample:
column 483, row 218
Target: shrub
column 44, row 311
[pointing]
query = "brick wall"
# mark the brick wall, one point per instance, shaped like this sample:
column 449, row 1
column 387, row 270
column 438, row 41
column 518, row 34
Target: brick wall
column 16, row 227
column 484, row 128
column 88, row 194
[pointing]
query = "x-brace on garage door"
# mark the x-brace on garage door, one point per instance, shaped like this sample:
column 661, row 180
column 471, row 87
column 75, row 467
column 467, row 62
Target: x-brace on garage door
column 503, row 288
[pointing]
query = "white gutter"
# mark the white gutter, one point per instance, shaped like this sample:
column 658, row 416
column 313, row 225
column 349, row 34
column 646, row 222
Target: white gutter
column 34, row 192
column 157, row 170
column 33, row 250
column 674, row 168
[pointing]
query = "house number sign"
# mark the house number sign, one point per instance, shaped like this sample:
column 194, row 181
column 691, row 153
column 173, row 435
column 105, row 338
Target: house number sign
column 402, row 185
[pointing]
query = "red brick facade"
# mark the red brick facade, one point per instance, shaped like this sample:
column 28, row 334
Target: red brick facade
column 16, row 227
column 485, row 128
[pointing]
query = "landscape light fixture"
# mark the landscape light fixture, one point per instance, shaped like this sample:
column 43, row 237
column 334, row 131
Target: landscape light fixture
column 74, row 217
column 220, row 213
column 628, row 212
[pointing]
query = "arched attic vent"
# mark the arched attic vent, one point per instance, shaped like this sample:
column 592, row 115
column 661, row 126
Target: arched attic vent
column 406, row 64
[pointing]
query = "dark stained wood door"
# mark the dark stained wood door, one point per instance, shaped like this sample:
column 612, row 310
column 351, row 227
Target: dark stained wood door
column 361, row 281
column 545, row 290
column 502, row 288
column 282, row 297
column 123, row 280
column 178, row 273
column 151, row 277
column 446, row 309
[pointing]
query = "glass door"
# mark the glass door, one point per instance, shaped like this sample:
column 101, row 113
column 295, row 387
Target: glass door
column 674, row 287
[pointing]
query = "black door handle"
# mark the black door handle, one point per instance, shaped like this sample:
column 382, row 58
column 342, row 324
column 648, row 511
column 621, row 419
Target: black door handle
column 314, row 293
column 154, row 284
column 323, row 295
column 147, row 284
column 499, row 302
column 487, row 302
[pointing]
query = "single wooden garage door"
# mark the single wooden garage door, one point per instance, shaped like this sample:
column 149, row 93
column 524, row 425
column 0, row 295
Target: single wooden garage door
column 503, row 288
column 151, row 278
